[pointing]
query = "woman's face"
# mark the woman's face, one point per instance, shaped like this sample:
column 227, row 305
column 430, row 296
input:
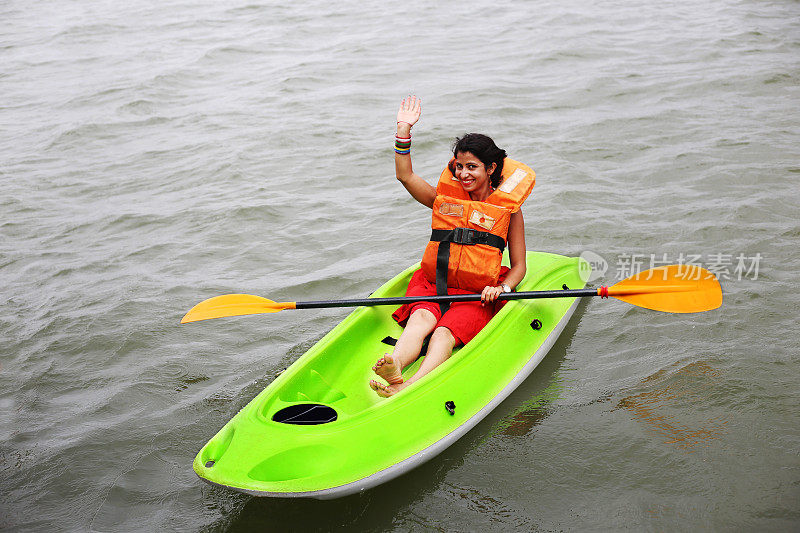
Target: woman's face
column 472, row 174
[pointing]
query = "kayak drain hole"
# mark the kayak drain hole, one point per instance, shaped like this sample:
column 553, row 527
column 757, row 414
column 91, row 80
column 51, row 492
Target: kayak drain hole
column 209, row 464
column 536, row 324
column 305, row 414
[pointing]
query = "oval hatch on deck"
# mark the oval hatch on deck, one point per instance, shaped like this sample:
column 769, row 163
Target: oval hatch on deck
column 305, row 414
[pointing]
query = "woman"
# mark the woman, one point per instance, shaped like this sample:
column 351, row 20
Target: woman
column 464, row 196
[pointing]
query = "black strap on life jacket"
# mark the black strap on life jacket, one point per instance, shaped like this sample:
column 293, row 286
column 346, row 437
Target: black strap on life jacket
column 464, row 236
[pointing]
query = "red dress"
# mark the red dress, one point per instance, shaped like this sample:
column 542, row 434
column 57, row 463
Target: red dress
column 463, row 319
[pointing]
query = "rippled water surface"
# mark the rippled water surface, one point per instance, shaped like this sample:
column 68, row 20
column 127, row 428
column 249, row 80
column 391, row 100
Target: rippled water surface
column 156, row 154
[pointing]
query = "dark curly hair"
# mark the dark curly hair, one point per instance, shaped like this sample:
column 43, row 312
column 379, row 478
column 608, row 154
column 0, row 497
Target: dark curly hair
column 484, row 148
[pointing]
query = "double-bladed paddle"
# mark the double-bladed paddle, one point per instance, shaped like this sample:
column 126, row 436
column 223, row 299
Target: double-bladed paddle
column 671, row 288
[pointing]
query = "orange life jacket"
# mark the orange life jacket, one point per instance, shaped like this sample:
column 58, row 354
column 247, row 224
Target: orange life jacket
column 468, row 237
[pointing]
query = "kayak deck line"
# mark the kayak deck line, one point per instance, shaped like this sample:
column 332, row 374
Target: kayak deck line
column 371, row 440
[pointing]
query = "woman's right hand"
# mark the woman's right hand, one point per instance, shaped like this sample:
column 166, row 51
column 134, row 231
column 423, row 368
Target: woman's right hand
column 490, row 294
column 409, row 112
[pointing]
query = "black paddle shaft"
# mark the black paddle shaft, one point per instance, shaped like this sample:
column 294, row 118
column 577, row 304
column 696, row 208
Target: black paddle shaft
column 525, row 295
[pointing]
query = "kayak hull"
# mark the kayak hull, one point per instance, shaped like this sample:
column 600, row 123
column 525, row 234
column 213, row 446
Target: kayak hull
column 368, row 440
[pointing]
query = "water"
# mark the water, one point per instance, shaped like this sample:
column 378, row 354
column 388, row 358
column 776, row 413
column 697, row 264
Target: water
column 153, row 155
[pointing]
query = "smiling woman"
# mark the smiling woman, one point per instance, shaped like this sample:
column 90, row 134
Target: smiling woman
column 475, row 214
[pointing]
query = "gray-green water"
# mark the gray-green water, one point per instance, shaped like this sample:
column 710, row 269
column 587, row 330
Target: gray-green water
column 156, row 154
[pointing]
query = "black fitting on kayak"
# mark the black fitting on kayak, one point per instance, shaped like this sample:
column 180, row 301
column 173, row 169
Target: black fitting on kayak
column 391, row 341
column 536, row 324
column 564, row 286
column 450, row 405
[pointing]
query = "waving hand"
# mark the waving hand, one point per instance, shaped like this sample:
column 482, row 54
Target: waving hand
column 410, row 110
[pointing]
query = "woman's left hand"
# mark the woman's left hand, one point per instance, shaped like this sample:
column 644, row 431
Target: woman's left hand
column 490, row 294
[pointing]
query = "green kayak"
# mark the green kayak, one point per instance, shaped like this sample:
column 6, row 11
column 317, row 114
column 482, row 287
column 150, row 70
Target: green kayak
column 319, row 431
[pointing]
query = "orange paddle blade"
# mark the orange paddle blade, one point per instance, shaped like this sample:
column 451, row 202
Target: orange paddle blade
column 671, row 288
column 233, row 305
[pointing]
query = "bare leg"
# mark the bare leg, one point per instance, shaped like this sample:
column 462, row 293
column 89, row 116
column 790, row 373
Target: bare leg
column 440, row 348
column 419, row 325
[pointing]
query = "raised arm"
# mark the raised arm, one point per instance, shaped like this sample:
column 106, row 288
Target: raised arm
column 408, row 115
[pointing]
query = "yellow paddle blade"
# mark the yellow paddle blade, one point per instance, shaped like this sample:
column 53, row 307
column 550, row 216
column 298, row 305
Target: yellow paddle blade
column 233, row 305
column 672, row 289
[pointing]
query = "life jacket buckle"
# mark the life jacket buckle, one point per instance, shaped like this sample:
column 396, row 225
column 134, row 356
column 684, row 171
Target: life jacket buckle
column 468, row 236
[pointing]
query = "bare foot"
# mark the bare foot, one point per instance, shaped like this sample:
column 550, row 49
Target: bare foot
column 387, row 390
column 388, row 369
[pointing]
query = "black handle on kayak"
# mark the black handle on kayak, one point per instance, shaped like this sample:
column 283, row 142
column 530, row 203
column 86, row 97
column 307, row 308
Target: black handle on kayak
column 524, row 295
